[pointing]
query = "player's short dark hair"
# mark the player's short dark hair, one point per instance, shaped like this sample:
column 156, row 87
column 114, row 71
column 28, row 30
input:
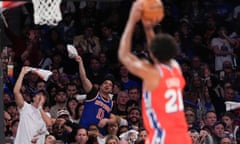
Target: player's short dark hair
column 163, row 47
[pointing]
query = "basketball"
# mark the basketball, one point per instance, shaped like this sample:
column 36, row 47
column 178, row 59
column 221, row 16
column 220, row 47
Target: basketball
column 152, row 9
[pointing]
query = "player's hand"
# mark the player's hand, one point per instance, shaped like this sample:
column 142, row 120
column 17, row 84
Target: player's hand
column 136, row 11
column 103, row 122
column 149, row 24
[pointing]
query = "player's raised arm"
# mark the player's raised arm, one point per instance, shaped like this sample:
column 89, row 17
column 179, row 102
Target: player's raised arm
column 17, row 88
column 149, row 32
column 132, row 63
column 86, row 83
column 153, row 13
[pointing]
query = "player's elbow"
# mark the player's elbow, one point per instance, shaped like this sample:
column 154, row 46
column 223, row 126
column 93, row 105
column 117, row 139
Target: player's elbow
column 120, row 56
column 123, row 57
column 122, row 52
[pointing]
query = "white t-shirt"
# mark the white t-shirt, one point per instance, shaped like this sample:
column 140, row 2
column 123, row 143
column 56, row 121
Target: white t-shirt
column 30, row 124
column 223, row 45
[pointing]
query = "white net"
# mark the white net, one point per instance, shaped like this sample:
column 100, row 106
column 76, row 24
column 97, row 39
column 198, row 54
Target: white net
column 47, row 12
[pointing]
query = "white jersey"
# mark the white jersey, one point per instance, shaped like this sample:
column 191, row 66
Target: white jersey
column 30, row 124
column 223, row 45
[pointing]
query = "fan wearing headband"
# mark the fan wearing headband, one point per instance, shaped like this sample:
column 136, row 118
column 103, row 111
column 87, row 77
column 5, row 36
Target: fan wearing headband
column 98, row 104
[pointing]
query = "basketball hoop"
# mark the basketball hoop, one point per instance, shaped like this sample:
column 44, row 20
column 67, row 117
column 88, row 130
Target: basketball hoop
column 47, row 12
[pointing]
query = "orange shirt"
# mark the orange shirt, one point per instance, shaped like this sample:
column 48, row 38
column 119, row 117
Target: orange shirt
column 163, row 110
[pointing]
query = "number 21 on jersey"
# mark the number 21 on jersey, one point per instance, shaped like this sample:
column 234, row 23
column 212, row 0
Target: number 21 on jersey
column 174, row 100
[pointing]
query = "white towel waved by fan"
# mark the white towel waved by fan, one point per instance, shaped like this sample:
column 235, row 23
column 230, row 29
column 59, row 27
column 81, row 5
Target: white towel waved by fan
column 130, row 135
column 72, row 51
column 231, row 105
column 42, row 73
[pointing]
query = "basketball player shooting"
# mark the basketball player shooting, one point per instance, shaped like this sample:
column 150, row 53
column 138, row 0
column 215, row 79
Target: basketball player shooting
column 163, row 82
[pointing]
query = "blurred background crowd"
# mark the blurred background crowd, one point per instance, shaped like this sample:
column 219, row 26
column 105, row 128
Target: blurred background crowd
column 208, row 35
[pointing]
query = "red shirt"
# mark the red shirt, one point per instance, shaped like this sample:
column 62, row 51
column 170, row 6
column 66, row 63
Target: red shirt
column 163, row 110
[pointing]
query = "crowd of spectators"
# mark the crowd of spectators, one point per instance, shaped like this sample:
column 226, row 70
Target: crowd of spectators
column 208, row 35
